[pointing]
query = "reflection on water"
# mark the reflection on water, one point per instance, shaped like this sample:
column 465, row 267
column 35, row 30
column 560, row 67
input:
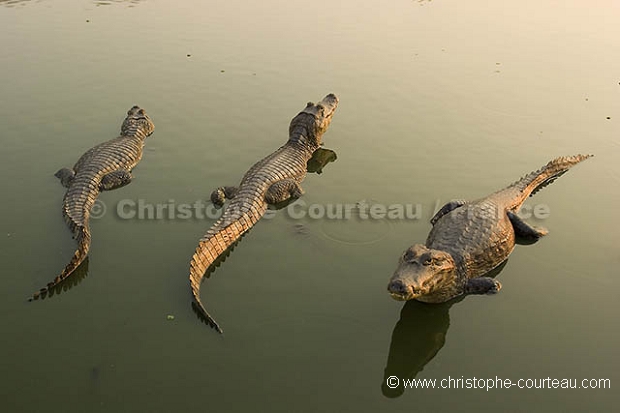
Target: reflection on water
column 418, row 336
column 68, row 283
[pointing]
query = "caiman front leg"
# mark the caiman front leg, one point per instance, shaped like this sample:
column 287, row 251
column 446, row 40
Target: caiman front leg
column 66, row 176
column 283, row 191
column 482, row 285
column 221, row 194
column 447, row 208
column 525, row 230
column 115, row 179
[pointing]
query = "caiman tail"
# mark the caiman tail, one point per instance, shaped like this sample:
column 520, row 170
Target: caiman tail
column 83, row 240
column 76, row 216
column 224, row 234
column 535, row 181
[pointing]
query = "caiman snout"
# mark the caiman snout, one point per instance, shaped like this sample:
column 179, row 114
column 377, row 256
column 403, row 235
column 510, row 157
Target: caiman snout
column 330, row 101
column 399, row 290
column 326, row 107
column 137, row 122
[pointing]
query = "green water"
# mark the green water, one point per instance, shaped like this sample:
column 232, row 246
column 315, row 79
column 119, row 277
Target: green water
column 438, row 100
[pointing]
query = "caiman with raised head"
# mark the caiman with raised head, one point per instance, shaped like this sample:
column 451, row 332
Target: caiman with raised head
column 271, row 181
column 469, row 239
column 105, row 167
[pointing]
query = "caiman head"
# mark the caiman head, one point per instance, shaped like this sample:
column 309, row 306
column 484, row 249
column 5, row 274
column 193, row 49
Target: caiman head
column 311, row 123
column 137, row 123
column 425, row 275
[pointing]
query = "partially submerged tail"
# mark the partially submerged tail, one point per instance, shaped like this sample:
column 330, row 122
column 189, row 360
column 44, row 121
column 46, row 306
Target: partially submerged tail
column 535, row 181
column 223, row 235
column 82, row 235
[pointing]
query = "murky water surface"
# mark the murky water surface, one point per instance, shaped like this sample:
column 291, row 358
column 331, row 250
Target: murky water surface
column 438, row 100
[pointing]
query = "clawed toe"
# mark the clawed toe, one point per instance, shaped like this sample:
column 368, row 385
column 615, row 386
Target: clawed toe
column 495, row 289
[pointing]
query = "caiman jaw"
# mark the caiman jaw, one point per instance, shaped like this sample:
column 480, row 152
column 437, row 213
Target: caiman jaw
column 399, row 297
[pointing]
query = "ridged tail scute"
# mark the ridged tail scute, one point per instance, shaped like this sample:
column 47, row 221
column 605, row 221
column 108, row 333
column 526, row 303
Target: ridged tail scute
column 211, row 248
column 535, row 181
column 83, row 239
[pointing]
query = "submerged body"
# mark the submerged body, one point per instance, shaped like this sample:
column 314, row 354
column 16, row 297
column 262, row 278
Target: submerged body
column 271, row 181
column 469, row 239
column 106, row 166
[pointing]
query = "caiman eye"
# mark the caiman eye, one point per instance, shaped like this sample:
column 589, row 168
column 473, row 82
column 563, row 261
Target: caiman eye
column 427, row 262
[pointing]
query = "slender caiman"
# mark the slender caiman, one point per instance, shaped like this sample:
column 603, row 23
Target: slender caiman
column 469, row 239
column 106, row 166
column 271, row 181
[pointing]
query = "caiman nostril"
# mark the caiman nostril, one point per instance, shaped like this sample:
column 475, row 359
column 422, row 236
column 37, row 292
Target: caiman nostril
column 397, row 287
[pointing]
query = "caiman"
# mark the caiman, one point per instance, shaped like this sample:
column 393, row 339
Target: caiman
column 271, row 181
column 106, row 166
column 469, row 239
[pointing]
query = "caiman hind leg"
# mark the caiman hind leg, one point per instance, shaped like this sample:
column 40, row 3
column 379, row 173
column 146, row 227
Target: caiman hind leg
column 282, row 191
column 482, row 285
column 447, row 208
column 221, row 194
column 66, row 176
column 525, row 230
column 115, row 179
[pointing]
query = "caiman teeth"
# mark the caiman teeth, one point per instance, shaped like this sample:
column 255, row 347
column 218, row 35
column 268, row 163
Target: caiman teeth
column 398, row 297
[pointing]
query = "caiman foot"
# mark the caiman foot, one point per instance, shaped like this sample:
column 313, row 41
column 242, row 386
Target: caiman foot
column 482, row 285
column 320, row 158
column 525, row 230
column 447, row 208
column 282, row 191
column 221, row 194
column 66, row 176
column 115, row 179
